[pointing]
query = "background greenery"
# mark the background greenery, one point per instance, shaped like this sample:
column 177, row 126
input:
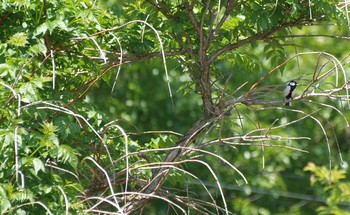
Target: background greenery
column 74, row 95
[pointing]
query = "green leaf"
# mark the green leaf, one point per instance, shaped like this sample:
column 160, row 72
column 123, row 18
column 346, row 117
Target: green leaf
column 6, row 137
column 20, row 211
column 51, row 25
column 49, row 138
column 28, row 92
column 48, row 128
column 38, row 165
column 41, row 29
column 76, row 186
column 167, row 140
column 67, row 153
column 155, row 143
column 18, row 39
column 4, row 205
column 38, row 48
column 232, row 23
column 4, row 69
column 20, row 3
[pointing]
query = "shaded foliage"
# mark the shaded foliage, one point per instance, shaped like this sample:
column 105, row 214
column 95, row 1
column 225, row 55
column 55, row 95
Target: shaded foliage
column 170, row 106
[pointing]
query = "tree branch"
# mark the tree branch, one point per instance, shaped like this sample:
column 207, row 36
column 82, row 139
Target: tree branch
column 189, row 10
column 164, row 10
column 161, row 174
column 230, row 5
column 257, row 36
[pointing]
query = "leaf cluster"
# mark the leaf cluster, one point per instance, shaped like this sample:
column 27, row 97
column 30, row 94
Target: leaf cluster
column 62, row 147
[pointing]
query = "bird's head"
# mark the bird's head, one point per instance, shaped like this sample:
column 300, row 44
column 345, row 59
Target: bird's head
column 293, row 83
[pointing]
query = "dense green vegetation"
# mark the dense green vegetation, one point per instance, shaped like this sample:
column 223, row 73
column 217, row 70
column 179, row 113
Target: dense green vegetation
column 174, row 107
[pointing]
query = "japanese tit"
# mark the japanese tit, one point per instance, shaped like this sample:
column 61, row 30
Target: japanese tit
column 289, row 91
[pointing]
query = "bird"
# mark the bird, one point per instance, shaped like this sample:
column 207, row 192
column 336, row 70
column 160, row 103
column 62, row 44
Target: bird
column 289, row 91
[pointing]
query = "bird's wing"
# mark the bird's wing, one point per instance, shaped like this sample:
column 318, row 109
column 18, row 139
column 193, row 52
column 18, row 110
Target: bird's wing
column 286, row 91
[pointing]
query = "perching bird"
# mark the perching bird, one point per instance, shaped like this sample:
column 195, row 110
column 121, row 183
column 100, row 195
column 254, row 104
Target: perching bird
column 289, row 91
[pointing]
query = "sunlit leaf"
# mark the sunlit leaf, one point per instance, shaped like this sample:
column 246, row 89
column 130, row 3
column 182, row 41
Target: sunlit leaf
column 38, row 165
column 18, row 39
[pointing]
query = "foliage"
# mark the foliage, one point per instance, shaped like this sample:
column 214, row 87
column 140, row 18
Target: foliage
column 337, row 190
column 170, row 101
